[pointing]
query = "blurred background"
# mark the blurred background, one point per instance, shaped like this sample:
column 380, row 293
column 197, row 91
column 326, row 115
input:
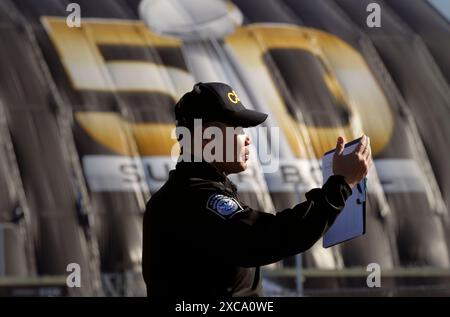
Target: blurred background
column 86, row 115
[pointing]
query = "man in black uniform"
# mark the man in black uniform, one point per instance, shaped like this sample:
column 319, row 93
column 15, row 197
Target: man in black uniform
column 199, row 239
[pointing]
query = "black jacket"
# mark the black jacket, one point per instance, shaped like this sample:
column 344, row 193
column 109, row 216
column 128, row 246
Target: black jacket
column 199, row 240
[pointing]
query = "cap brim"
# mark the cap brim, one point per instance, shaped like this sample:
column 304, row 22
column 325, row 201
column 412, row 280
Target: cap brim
column 246, row 118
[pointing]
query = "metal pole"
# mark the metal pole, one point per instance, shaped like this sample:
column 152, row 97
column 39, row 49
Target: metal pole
column 299, row 274
column 2, row 252
column 298, row 257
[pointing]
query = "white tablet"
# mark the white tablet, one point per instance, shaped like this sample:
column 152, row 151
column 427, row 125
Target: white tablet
column 351, row 222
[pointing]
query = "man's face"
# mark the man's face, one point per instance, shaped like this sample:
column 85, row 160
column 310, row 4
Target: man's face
column 238, row 142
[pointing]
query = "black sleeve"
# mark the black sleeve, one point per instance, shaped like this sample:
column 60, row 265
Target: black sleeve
column 253, row 238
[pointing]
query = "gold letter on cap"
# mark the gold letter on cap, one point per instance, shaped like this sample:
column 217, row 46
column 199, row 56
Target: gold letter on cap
column 233, row 97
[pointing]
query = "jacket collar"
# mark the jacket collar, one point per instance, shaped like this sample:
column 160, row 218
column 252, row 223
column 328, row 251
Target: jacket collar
column 204, row 171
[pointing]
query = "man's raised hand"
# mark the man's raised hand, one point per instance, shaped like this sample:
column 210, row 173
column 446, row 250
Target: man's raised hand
column 354, row 166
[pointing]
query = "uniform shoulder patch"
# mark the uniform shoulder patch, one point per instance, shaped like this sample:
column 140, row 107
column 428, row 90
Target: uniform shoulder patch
column 224, row 206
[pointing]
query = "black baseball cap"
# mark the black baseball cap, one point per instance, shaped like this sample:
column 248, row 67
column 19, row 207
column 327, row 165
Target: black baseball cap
column 215, row 102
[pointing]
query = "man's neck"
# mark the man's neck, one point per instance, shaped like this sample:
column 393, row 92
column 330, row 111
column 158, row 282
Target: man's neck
column 215, row 164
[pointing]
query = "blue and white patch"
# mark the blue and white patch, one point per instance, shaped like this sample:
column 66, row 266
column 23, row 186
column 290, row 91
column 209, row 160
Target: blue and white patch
column 224, row 206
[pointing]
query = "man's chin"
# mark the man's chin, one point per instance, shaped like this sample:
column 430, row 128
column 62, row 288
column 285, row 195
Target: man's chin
column 237, row 167
column 241, row 166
